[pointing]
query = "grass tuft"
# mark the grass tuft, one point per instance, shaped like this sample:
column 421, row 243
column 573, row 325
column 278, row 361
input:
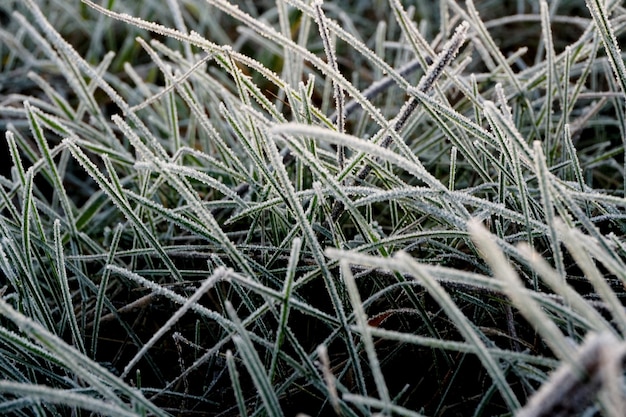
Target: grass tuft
column 317, row 208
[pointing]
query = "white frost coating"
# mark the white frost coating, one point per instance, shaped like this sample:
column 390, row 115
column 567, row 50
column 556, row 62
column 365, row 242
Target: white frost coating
column 91, row 372
column 573, row 386
column 220, row 273
column 144, row 166
column 171, row 295
column 599, row 13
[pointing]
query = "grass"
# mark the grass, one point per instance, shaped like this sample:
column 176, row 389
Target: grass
column 341, row 208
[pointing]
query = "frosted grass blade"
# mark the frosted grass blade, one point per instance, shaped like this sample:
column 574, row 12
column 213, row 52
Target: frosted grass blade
column 253, row 364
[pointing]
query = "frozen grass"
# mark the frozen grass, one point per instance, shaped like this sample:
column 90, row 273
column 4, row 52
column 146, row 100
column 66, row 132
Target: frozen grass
column 271, row 208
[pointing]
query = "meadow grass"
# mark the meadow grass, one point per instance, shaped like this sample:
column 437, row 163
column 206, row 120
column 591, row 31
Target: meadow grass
column 344, row 208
